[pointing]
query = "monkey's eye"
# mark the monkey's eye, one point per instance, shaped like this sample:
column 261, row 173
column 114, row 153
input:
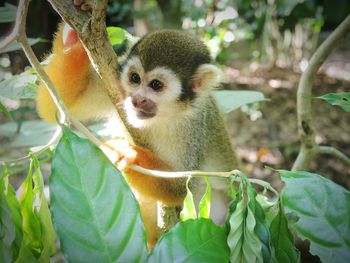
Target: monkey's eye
column 156, row 85
column 135, row 78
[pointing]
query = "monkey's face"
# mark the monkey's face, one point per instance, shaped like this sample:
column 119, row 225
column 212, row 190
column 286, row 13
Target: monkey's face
column 150, row 96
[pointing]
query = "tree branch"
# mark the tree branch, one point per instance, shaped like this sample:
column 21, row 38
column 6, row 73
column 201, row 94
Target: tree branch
column 91, row 29
column 304, row 95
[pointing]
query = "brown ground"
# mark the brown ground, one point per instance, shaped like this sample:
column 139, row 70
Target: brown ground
column 272, row 139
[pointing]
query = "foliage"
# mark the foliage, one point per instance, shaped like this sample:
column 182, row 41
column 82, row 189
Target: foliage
column 95, row 214
column 7, row 13
column 341, row 99
column 323, row 208
column 29, row 235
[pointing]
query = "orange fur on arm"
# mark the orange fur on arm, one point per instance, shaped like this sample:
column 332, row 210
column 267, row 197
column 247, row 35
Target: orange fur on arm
column 69, row 70
column 168, row 191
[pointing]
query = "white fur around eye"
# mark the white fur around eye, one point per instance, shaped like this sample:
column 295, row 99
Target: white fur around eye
column 172, row 84
column 134, row 65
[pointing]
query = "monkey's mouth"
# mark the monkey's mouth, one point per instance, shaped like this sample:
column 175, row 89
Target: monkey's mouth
column 143, row 115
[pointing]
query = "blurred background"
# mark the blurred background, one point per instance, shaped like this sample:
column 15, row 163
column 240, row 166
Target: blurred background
column 261, row 45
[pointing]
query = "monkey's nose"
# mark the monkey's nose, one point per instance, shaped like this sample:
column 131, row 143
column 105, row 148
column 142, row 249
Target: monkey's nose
column 138, row 101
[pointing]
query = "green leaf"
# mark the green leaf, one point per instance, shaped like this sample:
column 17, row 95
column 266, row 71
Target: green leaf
column 341, row 99
column 4, row 110
column 15, row 46
column 7, row 226
column 282, row 239
column 48, row 235
column 324, row 211
column 204, row 204
column 95, row 213
column 261, row 228
column 189, row 209
column 8, row 13
column 21, row 86
column 229, row 100
column 197, row 240
column 243, row 241
column 39, row 237
column 31, row 245
column 116, row 35
column 32, row 133
column 8, row 195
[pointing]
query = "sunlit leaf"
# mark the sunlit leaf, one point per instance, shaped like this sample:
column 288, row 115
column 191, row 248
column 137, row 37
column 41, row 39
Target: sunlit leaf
column 95, row 213
column 189, row 209
column 116, row 35
column 197, row 240
column 21, row 86
column 229, row 100
column 8, row 13
column 341, row 99
column 324, row 211
column 282, row 239
column 204, row 204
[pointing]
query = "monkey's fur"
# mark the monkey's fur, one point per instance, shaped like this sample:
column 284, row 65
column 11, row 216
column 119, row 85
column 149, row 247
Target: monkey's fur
column 191, row 137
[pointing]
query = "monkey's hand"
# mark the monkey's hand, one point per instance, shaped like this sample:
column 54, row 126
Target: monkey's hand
column 168, row 191
column 85, row 5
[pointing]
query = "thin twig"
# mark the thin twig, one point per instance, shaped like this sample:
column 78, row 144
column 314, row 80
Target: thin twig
column 304, row 96
column 332, row 151
column 43, row 149
column 186, row 174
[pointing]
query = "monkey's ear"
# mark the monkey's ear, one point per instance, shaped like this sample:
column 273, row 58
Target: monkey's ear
column 207, row 77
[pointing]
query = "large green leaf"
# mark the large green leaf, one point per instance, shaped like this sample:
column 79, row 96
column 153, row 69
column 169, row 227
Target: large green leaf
column 243, row 239
column 21, row 86
column 341, row 99
column 95, row 213
column 198, row 240
column 229, row 100
column 282, row 239
column 8, row 13
column 324, row 211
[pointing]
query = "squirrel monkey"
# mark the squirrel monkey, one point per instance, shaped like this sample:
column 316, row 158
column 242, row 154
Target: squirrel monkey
column 167, row 76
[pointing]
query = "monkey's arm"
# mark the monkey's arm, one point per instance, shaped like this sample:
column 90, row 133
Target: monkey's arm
column 168, row 191
column 74, row 78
